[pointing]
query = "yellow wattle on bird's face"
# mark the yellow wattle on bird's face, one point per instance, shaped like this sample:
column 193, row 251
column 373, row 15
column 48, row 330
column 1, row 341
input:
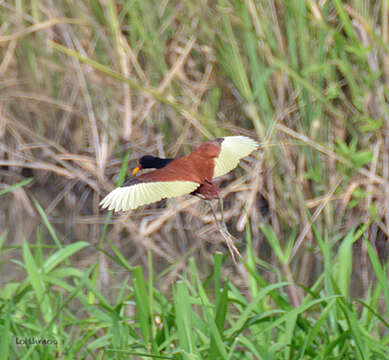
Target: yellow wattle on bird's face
column 136, row 170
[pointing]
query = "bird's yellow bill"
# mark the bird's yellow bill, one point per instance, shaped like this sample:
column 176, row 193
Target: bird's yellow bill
column 135, row 170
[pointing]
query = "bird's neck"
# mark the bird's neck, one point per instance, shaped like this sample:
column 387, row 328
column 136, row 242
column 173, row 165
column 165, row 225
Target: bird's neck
column 160, row 163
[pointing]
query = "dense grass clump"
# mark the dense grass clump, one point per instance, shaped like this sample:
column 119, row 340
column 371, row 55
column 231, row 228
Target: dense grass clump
column 87, row 87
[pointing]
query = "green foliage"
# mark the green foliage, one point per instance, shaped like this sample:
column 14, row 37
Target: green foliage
column 350, row 152
column 201, row 319
column 367, row 124
column 306, row 78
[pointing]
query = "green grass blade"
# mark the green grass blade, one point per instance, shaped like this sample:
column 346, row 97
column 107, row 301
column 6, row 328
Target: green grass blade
column 381, row 273
column 239, row 325
column 183, row 312
column 317, row 327
column 36, row 279
column 16, row 186
column 142, row 304
column 5, row 331
column 345, row 264
column 62, row 254
column 47, row 222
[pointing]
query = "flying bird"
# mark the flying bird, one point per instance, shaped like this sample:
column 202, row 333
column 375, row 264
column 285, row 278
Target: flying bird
column 190, row 174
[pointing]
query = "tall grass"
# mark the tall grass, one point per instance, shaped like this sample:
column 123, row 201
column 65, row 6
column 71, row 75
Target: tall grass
column 201, row 318
column 88, row 87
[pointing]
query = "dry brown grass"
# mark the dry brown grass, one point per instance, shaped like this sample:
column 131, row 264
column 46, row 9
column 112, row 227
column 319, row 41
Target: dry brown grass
column 68, row 125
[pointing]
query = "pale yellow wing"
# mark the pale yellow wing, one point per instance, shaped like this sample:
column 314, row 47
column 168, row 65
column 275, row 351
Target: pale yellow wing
column 130, row 197
column 233, row 148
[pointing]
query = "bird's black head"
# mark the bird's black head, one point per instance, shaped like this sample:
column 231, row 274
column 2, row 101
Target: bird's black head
column 151, row 162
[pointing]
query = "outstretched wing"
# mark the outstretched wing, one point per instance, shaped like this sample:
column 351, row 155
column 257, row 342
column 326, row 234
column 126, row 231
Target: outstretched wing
column 138, row 193
column 233, row 148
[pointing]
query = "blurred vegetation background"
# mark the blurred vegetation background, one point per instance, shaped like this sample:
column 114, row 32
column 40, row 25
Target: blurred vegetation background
column 87, row 87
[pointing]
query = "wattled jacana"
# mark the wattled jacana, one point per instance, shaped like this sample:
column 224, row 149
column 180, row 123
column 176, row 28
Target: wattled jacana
column 190, row 174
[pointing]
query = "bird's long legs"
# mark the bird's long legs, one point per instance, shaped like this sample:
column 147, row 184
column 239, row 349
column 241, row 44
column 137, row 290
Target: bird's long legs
column 221, row 226
column 222, row 211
